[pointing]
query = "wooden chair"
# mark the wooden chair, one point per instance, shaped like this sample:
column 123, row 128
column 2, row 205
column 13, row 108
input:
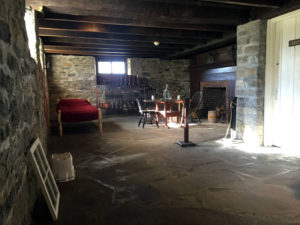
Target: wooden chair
column 195, row 105
column 147, row 116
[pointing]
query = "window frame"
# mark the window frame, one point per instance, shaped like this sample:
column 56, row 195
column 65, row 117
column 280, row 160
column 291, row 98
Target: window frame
column 111, row 60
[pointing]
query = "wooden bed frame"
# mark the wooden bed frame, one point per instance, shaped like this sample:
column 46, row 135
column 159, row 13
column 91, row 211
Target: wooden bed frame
column 60, row 120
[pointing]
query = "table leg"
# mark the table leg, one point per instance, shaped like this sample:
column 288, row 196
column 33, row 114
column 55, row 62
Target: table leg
column 165, row 116
column 179, row 110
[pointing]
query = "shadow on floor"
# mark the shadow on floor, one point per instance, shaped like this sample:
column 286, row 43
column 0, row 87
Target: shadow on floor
column 84, row 128
column 296, row 188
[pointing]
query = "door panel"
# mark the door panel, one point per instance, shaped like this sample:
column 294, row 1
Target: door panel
column 285, row 80
column 284, row 104
column 296, row 102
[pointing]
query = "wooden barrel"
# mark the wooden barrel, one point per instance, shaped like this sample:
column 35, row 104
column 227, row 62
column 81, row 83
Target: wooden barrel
column 212, row 116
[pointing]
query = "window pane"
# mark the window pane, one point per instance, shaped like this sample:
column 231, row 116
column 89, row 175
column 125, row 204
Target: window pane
column 118, row 67
column 104, row 67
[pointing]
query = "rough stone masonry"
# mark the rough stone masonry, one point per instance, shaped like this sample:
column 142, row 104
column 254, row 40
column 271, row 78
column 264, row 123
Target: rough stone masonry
column 21, row 116
column 250, row 80
column 157, row 73
column 71, row 77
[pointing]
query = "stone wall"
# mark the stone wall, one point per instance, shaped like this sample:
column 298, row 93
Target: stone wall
column 22, row 116
column 153, row 75
column 250, row 79
column 70, row 77
column 156, row 73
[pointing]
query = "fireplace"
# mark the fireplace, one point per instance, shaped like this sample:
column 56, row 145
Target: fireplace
column 215, row 94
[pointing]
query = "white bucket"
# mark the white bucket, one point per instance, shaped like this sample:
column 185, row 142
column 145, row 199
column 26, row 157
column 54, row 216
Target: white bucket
column 62, row 166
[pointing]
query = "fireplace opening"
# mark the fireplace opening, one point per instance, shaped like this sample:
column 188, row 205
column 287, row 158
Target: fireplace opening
column 213, row 98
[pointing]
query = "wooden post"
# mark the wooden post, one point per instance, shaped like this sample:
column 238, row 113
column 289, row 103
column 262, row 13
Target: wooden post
column 60, row 123
column 186, row 120
column 186, row 142
column 179, row 117
column 100, row 120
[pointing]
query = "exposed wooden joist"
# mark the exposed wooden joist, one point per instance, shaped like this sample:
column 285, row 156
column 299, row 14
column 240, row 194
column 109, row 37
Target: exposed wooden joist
column 112, row 50
column 248, row 3
column 97, row 53
column 87, row 51
column 252, row 3
column 288, row 6
column 199, row 3
column 145, row 11
column 112, row 47
column 176, row 23
column 115, row 29
column 60, row 33
column 110, row 43
column 229, row 39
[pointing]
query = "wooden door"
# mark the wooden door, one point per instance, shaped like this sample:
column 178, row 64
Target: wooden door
column 282, row 102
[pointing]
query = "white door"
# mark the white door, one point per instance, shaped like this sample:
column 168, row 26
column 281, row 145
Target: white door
column 282, row 102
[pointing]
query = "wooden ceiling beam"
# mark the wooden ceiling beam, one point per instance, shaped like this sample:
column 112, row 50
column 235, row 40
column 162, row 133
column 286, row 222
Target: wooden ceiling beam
column 145, row 11
column 171, row 23
column 107, row 52
column 98, row 53
column 227, row 40
column 109, row 43
column 248, row 3
column 252, row 3
column 62, row 33
column 105, row 49
column 116, row 29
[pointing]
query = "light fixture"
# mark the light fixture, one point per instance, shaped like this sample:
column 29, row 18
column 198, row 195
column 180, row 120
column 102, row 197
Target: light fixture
column 156, row 43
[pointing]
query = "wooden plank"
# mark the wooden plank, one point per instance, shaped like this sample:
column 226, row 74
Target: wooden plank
column 113, row 49
column 250, row 3
column 294, row 42
column 110, row 43
column 215, row 57
column 105, row 46
column 142, row 51
column 104, row 36
column 108, row 54
column 285, row 85
column 227, row 40
column 146, row 11
column 253, row 3
column 48, row 50
column 178, row 23
column 117, row 29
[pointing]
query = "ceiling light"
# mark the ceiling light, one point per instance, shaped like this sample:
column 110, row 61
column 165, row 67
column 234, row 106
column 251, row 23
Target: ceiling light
column 156, row 43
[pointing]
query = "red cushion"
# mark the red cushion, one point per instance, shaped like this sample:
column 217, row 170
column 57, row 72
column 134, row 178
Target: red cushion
column 76, row 110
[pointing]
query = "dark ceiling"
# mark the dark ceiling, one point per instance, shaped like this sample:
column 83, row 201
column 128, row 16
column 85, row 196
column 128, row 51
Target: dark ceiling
column 128, row 28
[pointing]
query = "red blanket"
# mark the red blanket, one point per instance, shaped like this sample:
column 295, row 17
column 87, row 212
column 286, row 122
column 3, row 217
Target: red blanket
column 76, row 110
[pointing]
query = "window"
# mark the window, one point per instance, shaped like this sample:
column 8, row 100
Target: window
column 111, row 67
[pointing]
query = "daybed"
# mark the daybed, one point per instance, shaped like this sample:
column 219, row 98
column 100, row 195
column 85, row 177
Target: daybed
column 77, row 110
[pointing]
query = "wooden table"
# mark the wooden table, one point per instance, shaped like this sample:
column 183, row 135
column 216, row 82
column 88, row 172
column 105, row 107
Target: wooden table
column 168, row 111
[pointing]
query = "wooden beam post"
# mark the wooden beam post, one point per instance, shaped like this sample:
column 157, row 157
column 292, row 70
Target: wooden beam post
column 186, row 120
column 186, row 142
column 60, row 123
column 100, row 120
